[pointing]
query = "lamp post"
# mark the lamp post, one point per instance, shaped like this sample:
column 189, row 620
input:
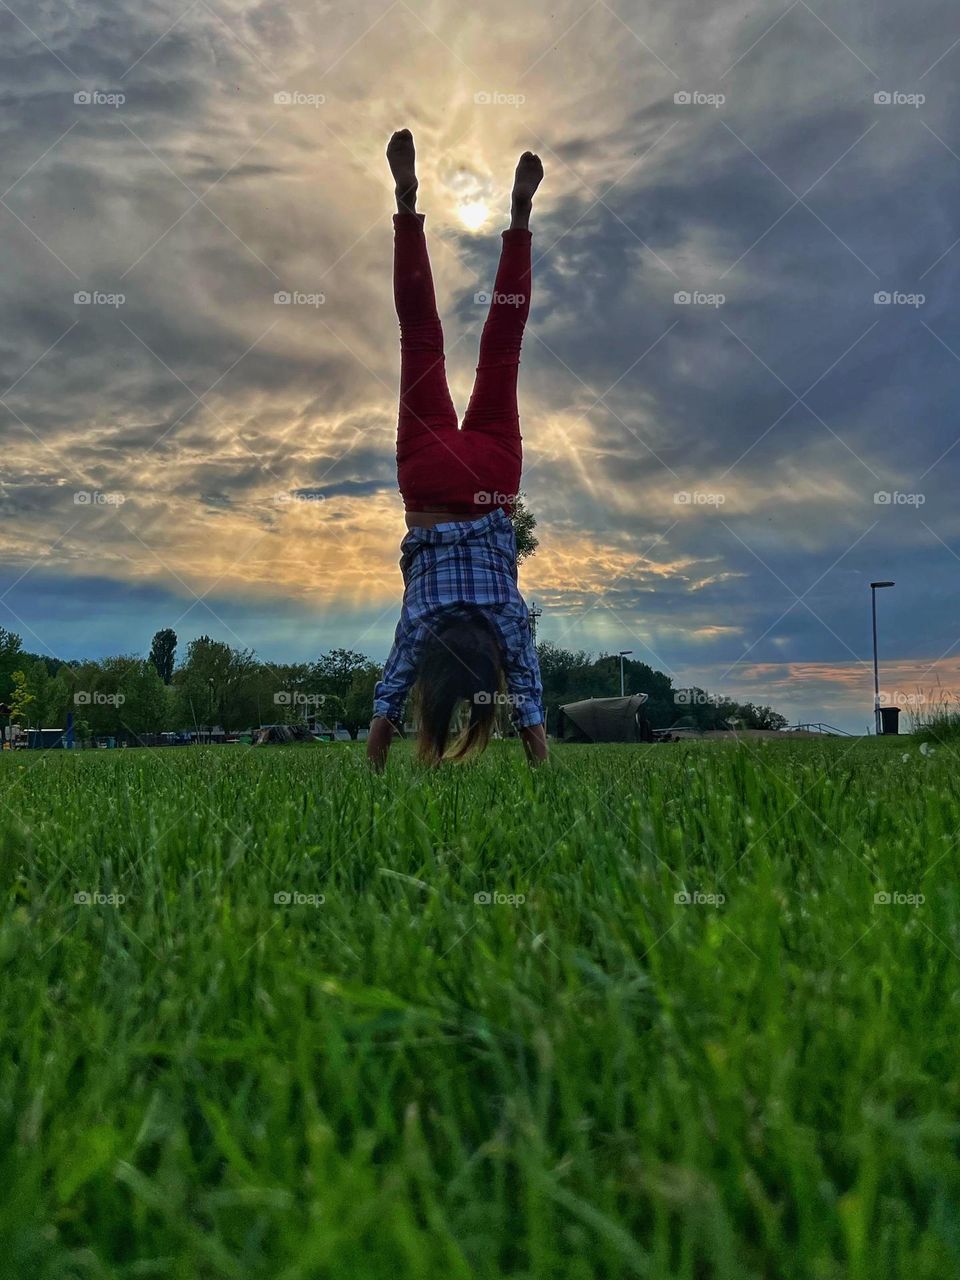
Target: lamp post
column 535, row 613
column 874, row 587
column 623, row 653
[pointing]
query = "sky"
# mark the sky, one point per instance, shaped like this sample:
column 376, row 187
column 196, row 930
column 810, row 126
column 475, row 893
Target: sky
column 739, row 379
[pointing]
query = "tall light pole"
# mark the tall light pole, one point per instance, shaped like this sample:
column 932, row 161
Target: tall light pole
column 622, row 655
column 874, row 587
column 535, row 612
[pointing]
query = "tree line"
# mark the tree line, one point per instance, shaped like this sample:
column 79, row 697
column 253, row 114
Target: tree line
column 216, row 685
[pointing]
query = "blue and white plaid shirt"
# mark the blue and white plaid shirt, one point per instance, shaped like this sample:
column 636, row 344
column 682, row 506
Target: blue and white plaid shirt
column 472, row 563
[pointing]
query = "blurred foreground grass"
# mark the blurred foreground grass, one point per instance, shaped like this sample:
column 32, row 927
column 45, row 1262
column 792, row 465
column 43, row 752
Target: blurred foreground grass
column 642, row 1013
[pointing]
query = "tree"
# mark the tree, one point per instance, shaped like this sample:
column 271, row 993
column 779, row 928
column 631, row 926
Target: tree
column 20, row 699
column 331, row 710
column 144, row 706
column 359, row 701
column 45, row 708
column 10, row 648
column 97, row 692
column 524, row 523
column 59, row 697
column 754, row 717
column 215, row 684
column 48, row 680
column 125, row 695
column 163, row 652
column 334, row 671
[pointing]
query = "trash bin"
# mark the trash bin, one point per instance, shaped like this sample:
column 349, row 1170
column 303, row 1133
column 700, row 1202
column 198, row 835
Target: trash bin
column 889, row 720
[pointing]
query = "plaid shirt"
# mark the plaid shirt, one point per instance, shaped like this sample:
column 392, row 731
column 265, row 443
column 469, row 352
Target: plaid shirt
column 469, row 562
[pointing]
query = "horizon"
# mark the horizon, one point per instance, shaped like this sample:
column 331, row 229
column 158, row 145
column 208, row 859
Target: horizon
column 778, row 685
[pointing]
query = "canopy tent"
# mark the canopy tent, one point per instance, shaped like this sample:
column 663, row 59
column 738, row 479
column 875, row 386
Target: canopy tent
column 606, row 720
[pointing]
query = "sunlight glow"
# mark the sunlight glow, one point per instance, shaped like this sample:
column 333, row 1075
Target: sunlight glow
column 473, row 214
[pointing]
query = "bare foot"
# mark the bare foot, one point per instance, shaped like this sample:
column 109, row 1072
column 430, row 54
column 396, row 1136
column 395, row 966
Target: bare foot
column 528, row 177
column 402, row 158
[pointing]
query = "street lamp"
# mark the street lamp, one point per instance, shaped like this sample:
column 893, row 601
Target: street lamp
column 874, row 587
column 622, row 655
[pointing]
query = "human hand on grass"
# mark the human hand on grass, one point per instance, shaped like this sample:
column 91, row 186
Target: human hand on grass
column 378, row 742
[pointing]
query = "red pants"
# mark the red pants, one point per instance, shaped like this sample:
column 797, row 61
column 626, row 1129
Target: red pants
column 440, row 466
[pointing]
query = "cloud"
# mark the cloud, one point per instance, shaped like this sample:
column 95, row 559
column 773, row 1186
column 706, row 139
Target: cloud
column 201, row 400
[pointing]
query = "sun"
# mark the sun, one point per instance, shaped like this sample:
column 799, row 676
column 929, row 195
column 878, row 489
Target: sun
column 473, row 214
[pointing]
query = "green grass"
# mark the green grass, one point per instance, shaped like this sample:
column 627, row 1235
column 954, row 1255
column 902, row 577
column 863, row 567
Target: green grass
column 942, row 724
column 597, row 1081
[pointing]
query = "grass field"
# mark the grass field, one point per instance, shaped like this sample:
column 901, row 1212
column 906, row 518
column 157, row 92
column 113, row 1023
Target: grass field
column 384, row 1076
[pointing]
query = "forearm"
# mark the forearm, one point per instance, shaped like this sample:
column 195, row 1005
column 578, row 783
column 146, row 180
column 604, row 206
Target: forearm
column 378, row 742
column 534, row 739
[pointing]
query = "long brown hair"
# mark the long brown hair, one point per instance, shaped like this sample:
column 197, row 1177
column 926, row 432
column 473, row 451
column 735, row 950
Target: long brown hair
column 462, row 661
